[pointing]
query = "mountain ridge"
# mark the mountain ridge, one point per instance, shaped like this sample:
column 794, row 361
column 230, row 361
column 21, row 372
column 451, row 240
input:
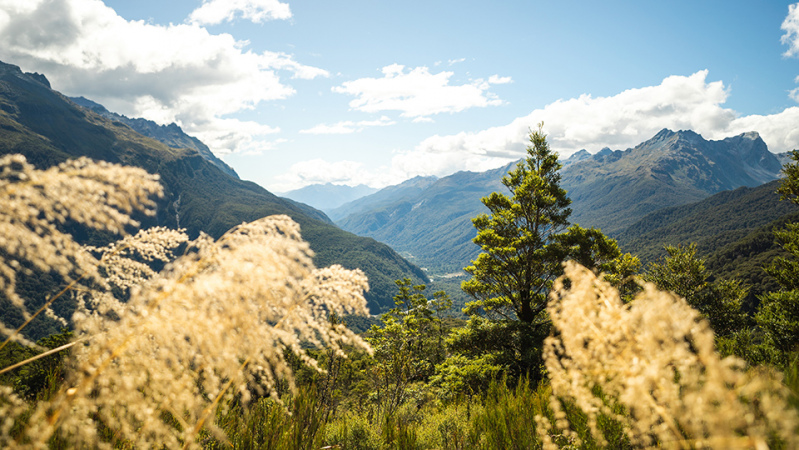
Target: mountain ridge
column 328, row 196
column 48, row 128
column 171, row 134
column 610, row 190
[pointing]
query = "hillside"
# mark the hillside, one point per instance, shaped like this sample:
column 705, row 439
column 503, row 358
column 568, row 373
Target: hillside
column 610, row 190
column 745, row 259
column 712, row 223
column 48, row 128
column 431, row 224
column 386, row 196
column 171, row 135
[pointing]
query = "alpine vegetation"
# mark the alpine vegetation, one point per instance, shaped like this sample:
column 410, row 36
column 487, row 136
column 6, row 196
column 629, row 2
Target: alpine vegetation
column 655, row 359
column 214, row 324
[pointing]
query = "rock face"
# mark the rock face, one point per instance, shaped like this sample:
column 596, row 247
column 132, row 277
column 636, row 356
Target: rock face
column 48, row 129
column 611, row 190
column 171, row 135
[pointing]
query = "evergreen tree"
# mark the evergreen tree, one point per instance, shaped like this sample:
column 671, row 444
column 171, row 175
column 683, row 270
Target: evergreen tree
column 683, row 273
column 526, row 237
column 778, row 315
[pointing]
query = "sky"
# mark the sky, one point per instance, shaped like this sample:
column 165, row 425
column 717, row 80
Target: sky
column 292, row 93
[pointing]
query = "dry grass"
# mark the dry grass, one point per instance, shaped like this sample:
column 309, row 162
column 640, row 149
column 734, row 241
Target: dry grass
column 656, row 358
column 216, row 322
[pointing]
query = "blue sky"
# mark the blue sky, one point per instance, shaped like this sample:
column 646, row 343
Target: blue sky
column 295, row 93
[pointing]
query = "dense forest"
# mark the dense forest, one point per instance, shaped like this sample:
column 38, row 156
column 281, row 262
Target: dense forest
column 239, row 340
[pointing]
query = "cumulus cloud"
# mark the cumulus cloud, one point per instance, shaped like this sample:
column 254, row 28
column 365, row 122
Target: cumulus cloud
column 213, row 12
column 619, row 122
column 791, row 27
column 174, row 73
column 417, row 93
column 348, row 127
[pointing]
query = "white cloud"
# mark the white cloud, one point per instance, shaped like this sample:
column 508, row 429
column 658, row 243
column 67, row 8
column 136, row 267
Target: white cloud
column 619, row 122
column 496, row 79
column 319, row 171
column 174, row 73
column 456, row 61
column 213, row 12
column 416, row 93
column 791, row 27
column 348, row 127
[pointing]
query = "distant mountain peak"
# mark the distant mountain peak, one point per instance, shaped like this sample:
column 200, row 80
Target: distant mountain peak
column 663, row 134
column 604, row 151
column 578, row 155
column 751, row 135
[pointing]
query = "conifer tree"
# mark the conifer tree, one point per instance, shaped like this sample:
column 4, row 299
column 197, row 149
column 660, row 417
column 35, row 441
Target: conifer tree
column 525, row 239
column 779, row 311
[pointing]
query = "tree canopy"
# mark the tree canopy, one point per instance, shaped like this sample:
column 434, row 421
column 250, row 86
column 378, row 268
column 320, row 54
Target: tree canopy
column 526, row 237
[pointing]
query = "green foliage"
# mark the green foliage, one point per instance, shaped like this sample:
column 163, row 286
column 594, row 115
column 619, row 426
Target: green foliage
column 461, row 375
column 37, row 378
column 268, row 424
column 526, row 237
column 408, row 345
column 683, row 273
column 779, row 311
column 490, row 347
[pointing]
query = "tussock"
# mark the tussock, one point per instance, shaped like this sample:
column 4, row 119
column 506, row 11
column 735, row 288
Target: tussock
column 214, row 323
column 656, row 358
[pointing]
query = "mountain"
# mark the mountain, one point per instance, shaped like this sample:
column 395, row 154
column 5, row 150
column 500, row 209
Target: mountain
column 712, row 223
column 328, row 196
column 611, row 190
column 614, row 189
column 392, row 194
column 733, row 230
column 427, row 220
column 171, row 135
column 48, row 128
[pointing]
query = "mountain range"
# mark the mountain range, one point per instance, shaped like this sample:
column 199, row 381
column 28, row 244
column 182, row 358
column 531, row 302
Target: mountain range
column 326, row 197
column 610, row 190
column 200, row 194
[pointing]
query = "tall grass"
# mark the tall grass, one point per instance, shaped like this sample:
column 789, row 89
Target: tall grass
column 211, row 326
column 656, row 358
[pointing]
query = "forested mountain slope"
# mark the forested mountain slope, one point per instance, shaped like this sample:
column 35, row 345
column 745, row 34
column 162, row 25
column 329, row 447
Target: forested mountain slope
column 711, row 223
column 610, row 190
column 432, row 225
column 48, row 128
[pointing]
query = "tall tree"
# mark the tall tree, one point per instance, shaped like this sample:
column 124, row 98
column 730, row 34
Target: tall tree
column 684, row 273
column 778, row 314
column 526, row 237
